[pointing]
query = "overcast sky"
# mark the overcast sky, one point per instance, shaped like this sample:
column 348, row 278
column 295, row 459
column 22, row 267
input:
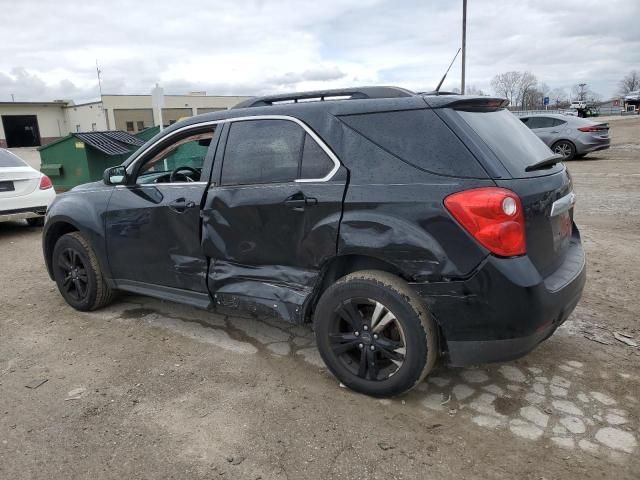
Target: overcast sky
column 48, row 49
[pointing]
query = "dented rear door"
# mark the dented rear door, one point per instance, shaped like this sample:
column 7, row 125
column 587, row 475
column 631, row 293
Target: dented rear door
column 270, row 217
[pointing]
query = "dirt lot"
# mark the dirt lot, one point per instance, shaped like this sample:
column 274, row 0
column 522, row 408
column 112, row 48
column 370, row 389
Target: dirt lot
column 148, row 389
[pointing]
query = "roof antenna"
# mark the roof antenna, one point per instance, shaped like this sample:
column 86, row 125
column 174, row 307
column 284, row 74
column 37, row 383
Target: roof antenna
column 445, row 73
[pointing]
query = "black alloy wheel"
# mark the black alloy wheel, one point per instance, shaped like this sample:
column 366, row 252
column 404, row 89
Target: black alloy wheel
column 375, row 334
column 78, row 274
column 74, row 273
column 368, row 339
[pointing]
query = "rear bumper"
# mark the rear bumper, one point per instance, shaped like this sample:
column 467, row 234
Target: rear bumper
column 31, row 205
column 592, row 145
column 506, row 308
column 23, row 213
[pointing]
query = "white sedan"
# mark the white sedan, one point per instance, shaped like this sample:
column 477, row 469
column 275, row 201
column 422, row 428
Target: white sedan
column 25, row 193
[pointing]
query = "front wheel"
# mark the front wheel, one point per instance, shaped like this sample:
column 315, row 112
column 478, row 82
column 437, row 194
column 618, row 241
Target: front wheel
column 374, row 333
column 78, row 274
column 564, row 148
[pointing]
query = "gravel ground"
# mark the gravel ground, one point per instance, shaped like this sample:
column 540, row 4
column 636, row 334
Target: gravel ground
column 150, row 389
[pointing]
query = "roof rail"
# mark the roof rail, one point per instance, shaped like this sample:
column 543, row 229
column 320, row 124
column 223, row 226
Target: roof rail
column 323, row 95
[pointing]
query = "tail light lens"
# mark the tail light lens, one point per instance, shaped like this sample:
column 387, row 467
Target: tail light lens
column 493, row 216
column 595, row 128
column 45, row 183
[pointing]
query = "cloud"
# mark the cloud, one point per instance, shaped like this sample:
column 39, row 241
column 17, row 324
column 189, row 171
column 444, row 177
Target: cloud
column 48, row 49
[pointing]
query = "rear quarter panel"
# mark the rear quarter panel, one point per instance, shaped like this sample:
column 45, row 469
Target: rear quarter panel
column 395, row 212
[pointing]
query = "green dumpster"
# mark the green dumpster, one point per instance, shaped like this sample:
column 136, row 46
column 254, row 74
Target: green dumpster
column 148, row 133
column 83, row 157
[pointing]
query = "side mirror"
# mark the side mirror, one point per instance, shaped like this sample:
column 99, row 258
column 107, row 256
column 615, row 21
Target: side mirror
column 115, row 175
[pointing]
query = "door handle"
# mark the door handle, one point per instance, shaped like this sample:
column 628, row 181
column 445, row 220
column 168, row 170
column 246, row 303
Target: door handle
column 298, row 202
column 295, row 202
column 180, row 205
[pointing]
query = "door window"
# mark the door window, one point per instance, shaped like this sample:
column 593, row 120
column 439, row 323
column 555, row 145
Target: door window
column 262, row 151
column 272, row 151
column 179, row 162
column 540, row 122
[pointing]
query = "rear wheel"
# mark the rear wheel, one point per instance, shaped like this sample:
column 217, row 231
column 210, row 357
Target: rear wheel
column 78, row 274
column 36, row 221
column 564, row 148
column 374, row 333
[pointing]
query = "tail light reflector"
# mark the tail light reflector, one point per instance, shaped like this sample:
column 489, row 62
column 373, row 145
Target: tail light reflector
column 493, row 216
column 45, row 183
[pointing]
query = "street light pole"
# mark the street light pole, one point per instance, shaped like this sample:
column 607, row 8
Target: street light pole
column 464, row 43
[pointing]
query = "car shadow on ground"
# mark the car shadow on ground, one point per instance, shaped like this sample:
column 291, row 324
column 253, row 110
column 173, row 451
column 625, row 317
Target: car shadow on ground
column 15, row 229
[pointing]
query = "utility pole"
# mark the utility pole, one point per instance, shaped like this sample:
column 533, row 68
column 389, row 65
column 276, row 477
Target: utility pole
column 13, row 99
column 464, row 43
column 98, row 71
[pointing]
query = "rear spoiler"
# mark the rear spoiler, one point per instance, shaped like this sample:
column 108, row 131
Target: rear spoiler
column 466, row 103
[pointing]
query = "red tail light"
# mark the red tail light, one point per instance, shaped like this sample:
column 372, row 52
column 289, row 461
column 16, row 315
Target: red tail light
column 493, row 216
column 596, row 128
column 45, row 183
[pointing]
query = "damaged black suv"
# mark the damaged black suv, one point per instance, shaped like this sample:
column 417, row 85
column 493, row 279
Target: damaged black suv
column 407, row 227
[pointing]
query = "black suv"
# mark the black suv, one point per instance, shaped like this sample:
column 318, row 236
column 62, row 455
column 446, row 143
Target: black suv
column 405, row 226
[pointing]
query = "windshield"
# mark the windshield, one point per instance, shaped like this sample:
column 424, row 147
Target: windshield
column 8, row 159
column 515, row 145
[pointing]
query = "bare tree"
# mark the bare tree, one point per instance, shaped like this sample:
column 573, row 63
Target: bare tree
column 506, row 85
column 533, row 98
column 528, row 83
column 630, row 83
column 581, row 92
column 544, row 89
column 473, row 90
column 558, row 97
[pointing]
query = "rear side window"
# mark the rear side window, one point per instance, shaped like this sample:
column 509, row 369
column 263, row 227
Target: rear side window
column 315, row 162
column 8, row 159
column 541, row 122
column 510, row 140
column 419, row 138
column 262, row 151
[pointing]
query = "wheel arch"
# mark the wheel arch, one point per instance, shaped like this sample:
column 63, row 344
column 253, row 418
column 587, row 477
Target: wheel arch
column 341, row 265
column 52, row 233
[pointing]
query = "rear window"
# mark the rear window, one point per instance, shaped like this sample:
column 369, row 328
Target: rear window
column 419, row 138
column 515, row 145
column 8, row 159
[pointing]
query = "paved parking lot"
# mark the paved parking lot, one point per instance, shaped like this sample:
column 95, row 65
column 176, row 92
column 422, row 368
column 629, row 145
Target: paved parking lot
column 150, row 389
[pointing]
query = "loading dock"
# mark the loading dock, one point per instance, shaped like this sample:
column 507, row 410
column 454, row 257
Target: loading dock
column 21, row 130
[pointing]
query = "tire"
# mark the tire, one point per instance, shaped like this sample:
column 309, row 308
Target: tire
column 78, row 274
column 350, row 329
column 36, row 221
column 564, row 148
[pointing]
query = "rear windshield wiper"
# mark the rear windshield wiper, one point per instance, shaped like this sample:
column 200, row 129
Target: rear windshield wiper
column 547, row 162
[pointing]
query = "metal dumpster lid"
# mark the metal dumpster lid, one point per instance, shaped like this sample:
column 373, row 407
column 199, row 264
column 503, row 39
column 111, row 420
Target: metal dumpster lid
column 114, row 142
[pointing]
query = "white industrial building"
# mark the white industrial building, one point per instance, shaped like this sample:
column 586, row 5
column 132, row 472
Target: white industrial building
column 31, row 124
